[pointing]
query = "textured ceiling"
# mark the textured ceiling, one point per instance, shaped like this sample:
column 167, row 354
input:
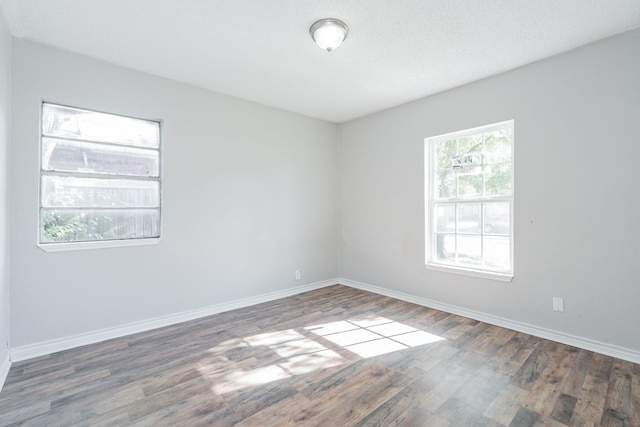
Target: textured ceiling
column 260, row 50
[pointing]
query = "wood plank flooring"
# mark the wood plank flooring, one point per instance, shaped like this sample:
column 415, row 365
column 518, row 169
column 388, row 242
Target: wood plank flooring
column 331, row 357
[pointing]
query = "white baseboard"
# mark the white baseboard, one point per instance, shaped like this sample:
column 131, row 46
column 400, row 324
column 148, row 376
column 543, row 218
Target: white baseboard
column 575, row 341
column 40, row 349
column 4, row 370
column 30, row 351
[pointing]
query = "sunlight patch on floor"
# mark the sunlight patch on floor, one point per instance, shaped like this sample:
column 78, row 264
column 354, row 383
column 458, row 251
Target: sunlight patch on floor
column 297, row 352
column 373, row 336
column 297, row 355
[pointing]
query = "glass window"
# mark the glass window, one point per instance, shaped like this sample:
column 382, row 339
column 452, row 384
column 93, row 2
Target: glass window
column 99, row 176
column 469, row 209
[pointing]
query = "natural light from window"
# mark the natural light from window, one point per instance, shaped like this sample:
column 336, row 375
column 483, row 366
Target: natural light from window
column 469, row 201
column 99, row 177
column 304, row 350
column 373, row 337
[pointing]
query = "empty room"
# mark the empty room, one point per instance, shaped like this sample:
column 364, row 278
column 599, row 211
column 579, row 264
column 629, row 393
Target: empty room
column 319, row 213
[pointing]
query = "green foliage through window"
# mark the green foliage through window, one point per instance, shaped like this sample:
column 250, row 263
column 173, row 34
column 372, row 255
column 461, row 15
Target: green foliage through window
column 469, row 181
column 99, row 177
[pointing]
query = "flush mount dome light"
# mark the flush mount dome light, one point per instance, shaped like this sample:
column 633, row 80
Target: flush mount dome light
column 329, row 33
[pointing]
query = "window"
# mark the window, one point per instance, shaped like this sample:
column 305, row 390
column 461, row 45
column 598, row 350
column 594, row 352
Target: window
column 99, row 179
column 469, row 209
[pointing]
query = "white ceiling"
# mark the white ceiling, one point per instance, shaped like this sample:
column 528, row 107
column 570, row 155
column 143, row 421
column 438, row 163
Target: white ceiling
column 260, row 50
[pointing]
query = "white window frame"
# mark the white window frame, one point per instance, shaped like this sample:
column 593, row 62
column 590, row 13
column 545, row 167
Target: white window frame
column 430, row 202
column 95, row 244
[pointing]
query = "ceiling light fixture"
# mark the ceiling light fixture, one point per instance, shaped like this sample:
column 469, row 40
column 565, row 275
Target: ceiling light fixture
column 329, row 33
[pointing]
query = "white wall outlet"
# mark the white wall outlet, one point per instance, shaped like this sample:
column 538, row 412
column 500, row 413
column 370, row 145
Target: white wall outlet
column 558, row 304
column 298, row 274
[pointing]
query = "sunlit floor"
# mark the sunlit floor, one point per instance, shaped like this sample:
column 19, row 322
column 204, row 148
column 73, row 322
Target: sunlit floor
column 304, row 350
column 332, row 357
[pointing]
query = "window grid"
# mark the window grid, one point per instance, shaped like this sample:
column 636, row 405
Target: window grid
column 486, row 232
column 99, row 177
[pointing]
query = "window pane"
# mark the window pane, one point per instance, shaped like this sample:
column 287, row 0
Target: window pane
column 498, row 145
column 58, row 191
column 496, row 218
column 445, row 184
column 68, row 122
column 498, row 179
column 444, row 150
column 470, row 250
column 446, row 248
column 497, row 252
column 98, row 224
column 470, row 144
column 445, row 218
column 469, row 181
column 74, row 156
column 469, row 217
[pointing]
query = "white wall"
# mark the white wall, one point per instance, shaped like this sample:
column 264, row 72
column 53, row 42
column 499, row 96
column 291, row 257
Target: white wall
column 577, row 193
column 249, row 196
column 5, row 116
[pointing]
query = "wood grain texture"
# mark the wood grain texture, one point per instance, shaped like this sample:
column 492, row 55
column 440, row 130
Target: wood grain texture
column 336, row 356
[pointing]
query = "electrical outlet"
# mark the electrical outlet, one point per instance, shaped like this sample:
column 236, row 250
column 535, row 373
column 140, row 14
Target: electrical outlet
column 558, row 304
column 298, row 274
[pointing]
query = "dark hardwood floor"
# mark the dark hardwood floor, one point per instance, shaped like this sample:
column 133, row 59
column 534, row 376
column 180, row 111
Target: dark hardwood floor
column 332, row 357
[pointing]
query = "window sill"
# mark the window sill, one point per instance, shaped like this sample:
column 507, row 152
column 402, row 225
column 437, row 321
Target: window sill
column 503, row 277
column 80, row 246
